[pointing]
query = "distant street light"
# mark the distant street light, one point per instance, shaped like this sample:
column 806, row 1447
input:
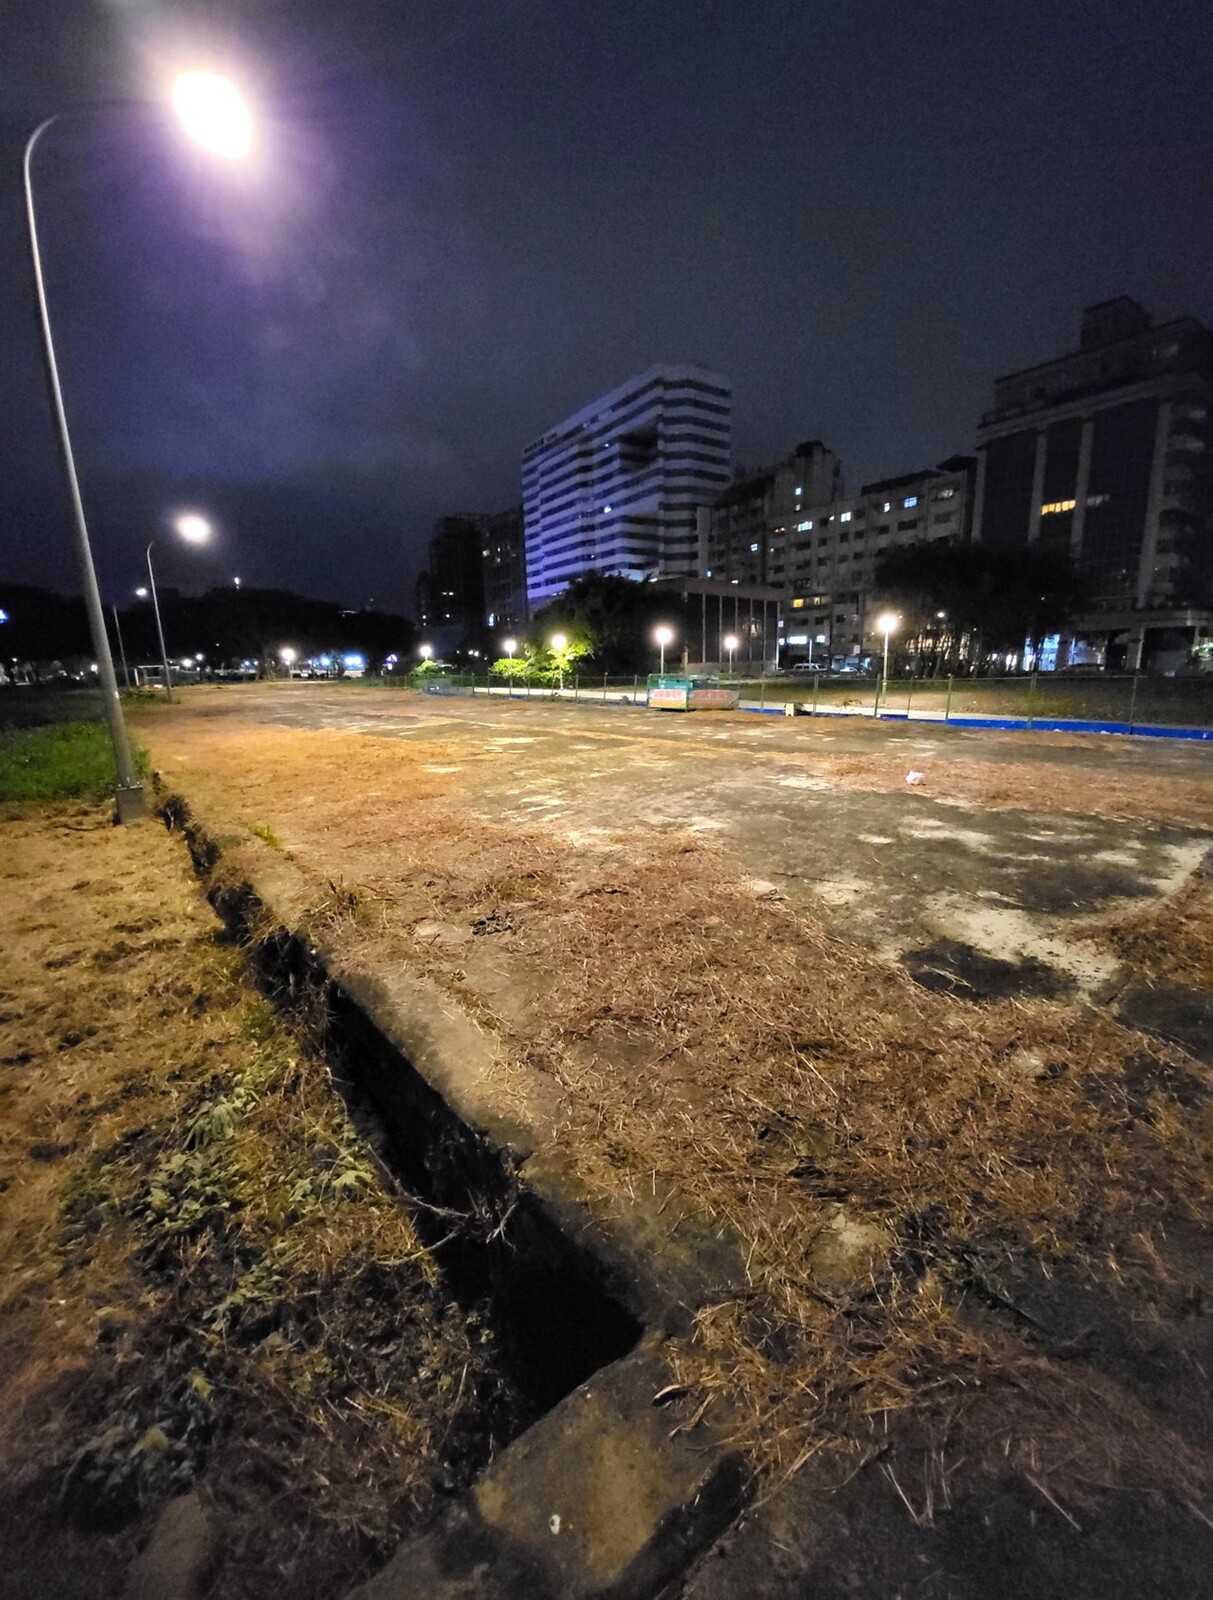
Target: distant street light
column 195, row 530
column 663, row 636
column 215, row 115
column 559, row 643
column 887, row 622
column 426, row 652
column 730, row 643
column 288, row 655
column 509, row 646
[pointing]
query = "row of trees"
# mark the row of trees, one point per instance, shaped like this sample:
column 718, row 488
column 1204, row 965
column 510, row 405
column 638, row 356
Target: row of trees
column 225, row 626
column 960, row 604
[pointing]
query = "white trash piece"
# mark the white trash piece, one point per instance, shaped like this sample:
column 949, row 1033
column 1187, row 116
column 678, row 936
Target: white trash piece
column 914, row 777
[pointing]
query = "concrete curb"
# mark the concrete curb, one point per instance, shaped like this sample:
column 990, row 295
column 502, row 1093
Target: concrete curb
column 607, row 1495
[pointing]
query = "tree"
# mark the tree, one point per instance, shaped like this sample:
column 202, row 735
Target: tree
column 615, row 617
column 968, row 601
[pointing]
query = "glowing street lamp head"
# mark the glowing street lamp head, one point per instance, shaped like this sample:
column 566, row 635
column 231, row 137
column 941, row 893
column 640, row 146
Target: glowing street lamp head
column 663, row 635
column 509, row 646
column 213, row 113
column 426, row 651
column 887, row 622
column 559, row 641
column 192, row 528
column 141, row 593
column 730, row 642
column 288, row 655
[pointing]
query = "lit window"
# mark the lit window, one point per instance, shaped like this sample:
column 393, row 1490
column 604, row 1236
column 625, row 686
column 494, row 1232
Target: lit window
column 888, row 505
column 797, row 605
column 709, row 572
column 753, row 549
column 799, row 489
column 803, row 527
column 910, row 500
column 845, row 517
column 606, row 508
column 1054, row 506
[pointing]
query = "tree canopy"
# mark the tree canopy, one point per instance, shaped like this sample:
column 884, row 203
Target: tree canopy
column 949, row 594
column 615, row 617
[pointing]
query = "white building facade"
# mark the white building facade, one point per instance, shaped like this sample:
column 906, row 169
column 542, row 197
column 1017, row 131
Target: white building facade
column 617, row 486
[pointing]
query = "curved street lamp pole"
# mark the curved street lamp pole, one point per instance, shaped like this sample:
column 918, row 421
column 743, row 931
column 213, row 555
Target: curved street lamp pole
column 129, row 795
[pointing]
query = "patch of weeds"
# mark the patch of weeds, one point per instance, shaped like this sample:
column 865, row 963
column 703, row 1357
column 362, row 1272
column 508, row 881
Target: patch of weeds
column 263, row 831
column 66, row 761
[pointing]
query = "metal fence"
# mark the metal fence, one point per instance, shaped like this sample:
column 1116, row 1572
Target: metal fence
column 1129, row 702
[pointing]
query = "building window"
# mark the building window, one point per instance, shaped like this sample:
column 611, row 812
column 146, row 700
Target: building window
column 803, row 527
column 799, row 489
column 1055, row 506
column 888, row 505
column 753, row 549
column 910, row 500
column 945, row 494
column 904, row 527
column 845, row 517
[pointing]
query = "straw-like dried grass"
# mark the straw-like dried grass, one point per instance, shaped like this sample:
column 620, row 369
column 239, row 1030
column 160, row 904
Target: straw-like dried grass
column 783, row 1084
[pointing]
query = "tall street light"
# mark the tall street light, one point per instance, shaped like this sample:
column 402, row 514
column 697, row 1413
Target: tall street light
column 663, row 636
column 194, row 530
column 886, row 623
column 730, row 643
column 215, row 115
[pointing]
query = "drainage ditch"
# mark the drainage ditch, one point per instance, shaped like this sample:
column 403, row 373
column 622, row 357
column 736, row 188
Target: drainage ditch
column 543, row 1299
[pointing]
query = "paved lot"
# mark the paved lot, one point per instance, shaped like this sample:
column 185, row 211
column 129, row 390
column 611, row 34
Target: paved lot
column 919, row 876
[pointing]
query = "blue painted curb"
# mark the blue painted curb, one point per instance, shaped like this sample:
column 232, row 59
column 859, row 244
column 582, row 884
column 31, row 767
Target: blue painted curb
column 1136, row 730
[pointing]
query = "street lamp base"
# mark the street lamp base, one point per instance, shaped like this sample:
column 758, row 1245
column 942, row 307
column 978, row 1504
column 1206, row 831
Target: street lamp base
column 131, row 802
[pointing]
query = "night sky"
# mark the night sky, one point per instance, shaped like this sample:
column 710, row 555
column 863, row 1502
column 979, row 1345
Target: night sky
column 463, row 221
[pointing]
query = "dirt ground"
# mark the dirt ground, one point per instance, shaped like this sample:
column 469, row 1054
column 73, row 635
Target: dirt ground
column 930, row 1170
column 205, row 1282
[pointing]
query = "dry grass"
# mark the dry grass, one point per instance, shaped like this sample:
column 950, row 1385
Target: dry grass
column 202, row 1272
column 780, row 1082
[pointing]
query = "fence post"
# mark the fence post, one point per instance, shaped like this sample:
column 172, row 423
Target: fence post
column 876, row 697
column 1031, row 696
column 604, row 684
column 909, row 696
column 1132, row 702
column 816, row 692
column 577, row 687
column 762, row 686
column 947, row 704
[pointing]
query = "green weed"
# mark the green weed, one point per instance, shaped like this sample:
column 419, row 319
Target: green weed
column 66, row 761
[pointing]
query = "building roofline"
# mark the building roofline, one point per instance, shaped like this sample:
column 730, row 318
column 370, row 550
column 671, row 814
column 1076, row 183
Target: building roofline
column 1152, row 332
column 592, row 407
